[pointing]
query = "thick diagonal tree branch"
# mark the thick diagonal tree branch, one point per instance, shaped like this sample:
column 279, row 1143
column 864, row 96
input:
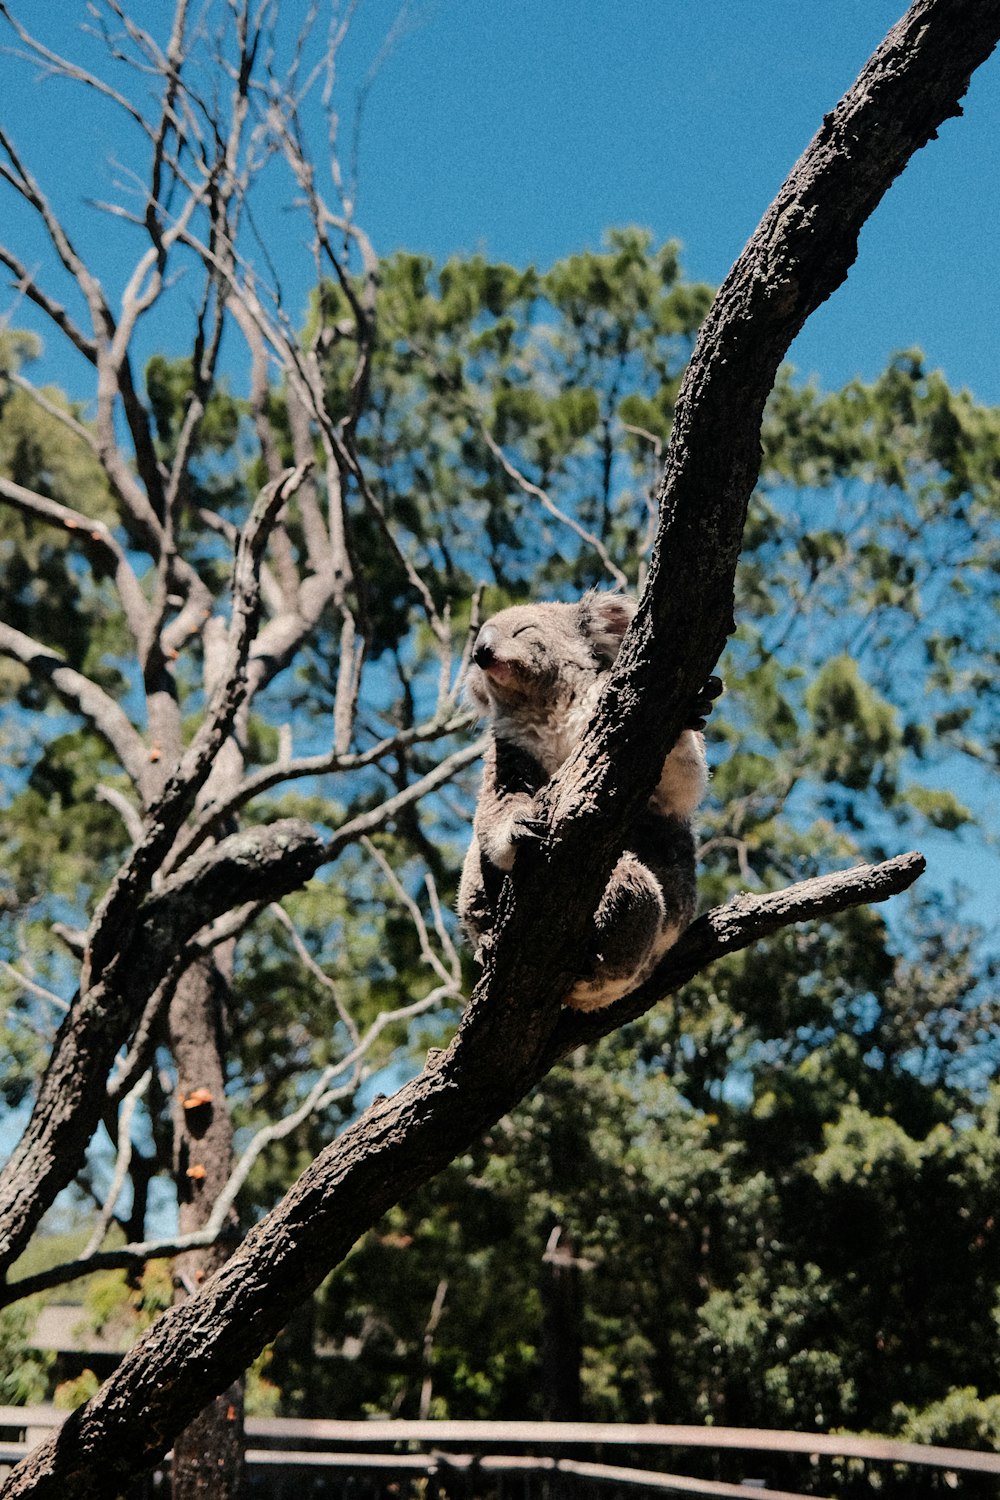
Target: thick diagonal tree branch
column 728, row 929
column 744, row 920
column 513, row 1030
column 259, row 864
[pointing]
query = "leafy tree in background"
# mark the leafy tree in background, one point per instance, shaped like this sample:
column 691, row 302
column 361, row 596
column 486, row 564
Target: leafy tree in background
column 178, row 763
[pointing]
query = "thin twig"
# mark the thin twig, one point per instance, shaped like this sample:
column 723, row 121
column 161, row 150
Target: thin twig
column 320, row 975
column 123, row 1161
column 547, row 503
column 33, row 987
column 331, row 763
column 83, row 696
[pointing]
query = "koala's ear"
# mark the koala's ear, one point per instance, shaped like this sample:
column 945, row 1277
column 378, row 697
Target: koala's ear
column 604, row 619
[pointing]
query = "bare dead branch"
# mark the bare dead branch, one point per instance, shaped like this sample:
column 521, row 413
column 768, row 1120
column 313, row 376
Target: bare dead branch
column 317, row 537
column 547, row 503
column 33, row 988
column 219, row 812
column 16, row 172
column 227, row 928
column 288, row 573
column 61, row 66
column 123, row 1160
column 113, row 986
column 81, row 695
column 261, row 863
column 28, row 286
column 53, row 409
column 72, row 938
column 182, row 786
column 378, row 817
column 451, row 975
column 126, row 810
column 319, row 974
column 98, row 541
column 133, row 1064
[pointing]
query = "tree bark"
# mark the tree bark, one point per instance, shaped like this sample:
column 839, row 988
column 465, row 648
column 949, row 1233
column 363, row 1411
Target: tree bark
column 561, row 1294
column 208, row 1456
column 512, row 1030
column 135, row 939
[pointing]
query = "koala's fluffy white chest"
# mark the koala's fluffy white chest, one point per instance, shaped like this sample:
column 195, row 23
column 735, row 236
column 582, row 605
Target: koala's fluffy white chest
column 551, row 732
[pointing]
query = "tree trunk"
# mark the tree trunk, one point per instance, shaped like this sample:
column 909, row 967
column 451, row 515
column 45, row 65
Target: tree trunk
column 208, row 1455
column 562, row 1330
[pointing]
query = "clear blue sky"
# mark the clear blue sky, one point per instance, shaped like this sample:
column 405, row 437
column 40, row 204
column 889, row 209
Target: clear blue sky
column 523, row 128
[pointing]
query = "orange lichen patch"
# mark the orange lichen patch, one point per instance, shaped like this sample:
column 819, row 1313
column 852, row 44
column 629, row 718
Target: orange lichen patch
column 197, row 1099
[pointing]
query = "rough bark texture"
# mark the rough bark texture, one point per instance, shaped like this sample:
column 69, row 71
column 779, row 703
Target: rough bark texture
column 512, row 1030
column 208, row 1456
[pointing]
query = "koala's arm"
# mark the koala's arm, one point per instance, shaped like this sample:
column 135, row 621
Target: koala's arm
column 506, row 813
column 685, row 771
column 684, row 776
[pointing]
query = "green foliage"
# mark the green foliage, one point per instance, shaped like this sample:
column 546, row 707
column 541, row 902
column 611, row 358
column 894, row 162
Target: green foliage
column 23, row 1370
column 113, row 1301
column 961, row 1420
column 856, row 732
column 262, row 1397
column 169, row 387
column 69, row 1394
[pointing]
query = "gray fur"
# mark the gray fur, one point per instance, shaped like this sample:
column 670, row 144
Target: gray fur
column 538, row 671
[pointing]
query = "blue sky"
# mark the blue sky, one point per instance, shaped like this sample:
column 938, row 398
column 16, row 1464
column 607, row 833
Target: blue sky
column 523, row 128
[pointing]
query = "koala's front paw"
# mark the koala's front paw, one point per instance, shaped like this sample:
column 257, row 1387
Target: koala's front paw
column 527, row 826
column 521, row 825
column 705, row 702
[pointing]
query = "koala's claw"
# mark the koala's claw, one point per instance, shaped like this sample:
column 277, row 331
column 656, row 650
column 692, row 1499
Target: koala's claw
column 528, row 827
column 705, row 701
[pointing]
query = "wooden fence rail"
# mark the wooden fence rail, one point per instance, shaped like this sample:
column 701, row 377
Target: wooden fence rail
column 375, row 1446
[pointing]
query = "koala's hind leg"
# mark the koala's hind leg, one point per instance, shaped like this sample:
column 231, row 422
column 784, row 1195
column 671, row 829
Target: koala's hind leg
column 631, row 930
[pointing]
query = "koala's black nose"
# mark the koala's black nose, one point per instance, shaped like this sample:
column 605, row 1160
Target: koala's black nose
column 485, row 649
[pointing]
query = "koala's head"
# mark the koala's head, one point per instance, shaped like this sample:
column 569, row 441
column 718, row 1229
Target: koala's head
column 535, row 654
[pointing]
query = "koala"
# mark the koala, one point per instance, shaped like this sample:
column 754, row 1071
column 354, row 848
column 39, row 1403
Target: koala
column 537, row 673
